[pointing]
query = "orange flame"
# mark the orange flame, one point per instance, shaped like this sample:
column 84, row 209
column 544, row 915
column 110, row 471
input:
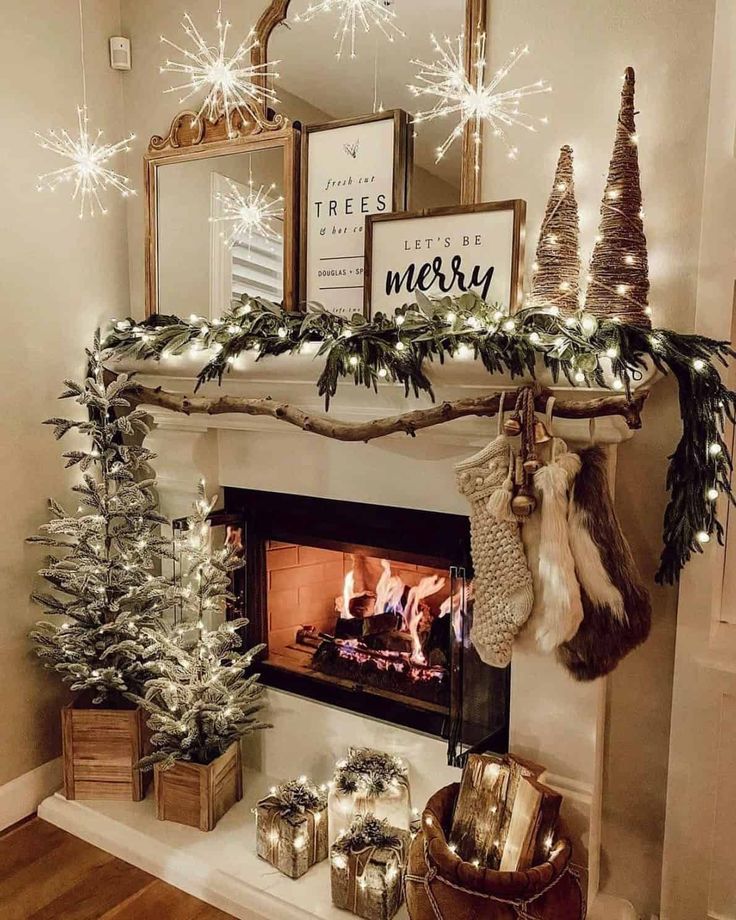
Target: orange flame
column 347, row 593
column 412, row 615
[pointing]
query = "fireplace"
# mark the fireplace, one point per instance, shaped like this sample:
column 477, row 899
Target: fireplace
column 368, row 608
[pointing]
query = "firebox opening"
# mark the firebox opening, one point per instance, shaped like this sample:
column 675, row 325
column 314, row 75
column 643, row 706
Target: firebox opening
column 355, row 618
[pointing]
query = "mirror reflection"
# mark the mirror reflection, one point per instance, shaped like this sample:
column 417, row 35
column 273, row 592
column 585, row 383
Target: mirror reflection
column 220, row 231
column 320, row 80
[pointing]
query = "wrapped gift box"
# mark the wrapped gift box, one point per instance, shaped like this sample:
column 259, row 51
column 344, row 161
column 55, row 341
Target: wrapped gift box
column 292, row 828
column 368, row 877
column 369, row 782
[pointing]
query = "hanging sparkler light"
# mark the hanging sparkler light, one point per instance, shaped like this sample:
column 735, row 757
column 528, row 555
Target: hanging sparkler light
column 471, row 97
column 232, row 83
column 250, row 215
column 87, row 170
column 353, row 15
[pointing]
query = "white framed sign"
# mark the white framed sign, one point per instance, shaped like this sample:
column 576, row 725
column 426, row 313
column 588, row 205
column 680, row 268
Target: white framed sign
column 350, row 169
column 446, row 251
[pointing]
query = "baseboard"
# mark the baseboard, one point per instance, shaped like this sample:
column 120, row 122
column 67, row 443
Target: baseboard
column 22, row 795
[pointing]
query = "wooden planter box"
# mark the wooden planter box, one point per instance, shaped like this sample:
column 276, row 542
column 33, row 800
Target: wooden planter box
column 100, row 750
column 197, row 795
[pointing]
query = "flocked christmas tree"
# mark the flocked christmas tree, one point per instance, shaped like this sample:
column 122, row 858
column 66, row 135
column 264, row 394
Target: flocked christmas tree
column 618, row 277
column 102, row 570
column 556, row 269
column 199, row 696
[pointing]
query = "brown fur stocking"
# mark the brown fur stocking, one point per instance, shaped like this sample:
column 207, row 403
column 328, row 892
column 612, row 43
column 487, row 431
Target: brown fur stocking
column 617, row 610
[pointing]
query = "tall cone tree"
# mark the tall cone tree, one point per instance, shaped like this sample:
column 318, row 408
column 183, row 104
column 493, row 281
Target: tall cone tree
column 618, row 279
column 556, row 270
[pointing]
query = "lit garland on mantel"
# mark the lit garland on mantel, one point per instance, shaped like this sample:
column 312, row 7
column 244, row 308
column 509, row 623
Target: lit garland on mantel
column 579, row 348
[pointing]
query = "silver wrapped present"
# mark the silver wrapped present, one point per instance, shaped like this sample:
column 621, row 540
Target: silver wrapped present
column 368, row 880
column 291, row 838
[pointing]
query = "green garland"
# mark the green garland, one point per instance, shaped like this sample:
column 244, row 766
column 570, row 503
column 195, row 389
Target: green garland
column 395, row 348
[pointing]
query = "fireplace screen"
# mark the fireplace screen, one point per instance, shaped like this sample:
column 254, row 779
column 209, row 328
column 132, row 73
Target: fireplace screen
column 368, row 608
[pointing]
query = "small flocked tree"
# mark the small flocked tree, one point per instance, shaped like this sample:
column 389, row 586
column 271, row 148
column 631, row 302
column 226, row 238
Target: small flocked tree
column 199, row 696
column 102, row 569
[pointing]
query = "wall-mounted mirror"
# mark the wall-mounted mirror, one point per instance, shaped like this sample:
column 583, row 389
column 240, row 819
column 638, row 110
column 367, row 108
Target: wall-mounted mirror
column 198, row 255
column 320, row 79
column 221, row 221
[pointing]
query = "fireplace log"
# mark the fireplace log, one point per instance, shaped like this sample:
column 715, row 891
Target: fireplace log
column 409, row 422
column 369, row 626
column 383, row 671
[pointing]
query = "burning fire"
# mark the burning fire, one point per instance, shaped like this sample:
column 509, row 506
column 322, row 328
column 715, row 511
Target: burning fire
column 389, row 590
column 389, row 598
column 348, row 593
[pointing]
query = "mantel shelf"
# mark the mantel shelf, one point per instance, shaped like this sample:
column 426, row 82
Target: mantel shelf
column 292, row 379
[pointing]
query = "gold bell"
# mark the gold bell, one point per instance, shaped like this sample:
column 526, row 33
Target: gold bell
column 523, row 505
column 512, row 427
column 541, row 435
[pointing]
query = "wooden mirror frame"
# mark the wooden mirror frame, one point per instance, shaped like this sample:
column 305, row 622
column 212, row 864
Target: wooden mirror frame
column 190, row 138
column 474, row 26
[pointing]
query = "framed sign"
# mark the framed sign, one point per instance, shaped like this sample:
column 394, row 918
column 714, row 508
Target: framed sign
column 350, row 169
column 445, row 251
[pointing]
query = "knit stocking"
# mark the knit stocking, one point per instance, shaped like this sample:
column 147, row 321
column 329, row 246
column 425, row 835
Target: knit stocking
column 616, row 603
column 557, row 611
column 503, row 584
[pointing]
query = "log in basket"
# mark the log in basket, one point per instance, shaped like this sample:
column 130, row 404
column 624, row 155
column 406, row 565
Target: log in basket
column 441, row 886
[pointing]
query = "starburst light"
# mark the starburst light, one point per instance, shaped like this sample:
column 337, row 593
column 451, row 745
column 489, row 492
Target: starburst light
column 249, row 215
column 353, row 15
column 471, row 97
column 232, row 83
column 87, row 169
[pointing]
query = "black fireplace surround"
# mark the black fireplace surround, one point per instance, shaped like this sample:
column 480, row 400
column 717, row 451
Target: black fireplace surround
column 476, row 716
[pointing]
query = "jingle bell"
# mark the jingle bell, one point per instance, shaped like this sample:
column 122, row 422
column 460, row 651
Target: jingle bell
column 541, row 435
column 512, row 427
column 523, row 505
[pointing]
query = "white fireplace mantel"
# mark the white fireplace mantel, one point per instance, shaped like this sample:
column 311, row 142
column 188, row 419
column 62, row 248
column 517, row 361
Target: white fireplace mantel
column 554, row 720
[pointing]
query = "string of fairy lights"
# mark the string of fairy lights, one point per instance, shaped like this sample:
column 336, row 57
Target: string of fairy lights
column 581, row 348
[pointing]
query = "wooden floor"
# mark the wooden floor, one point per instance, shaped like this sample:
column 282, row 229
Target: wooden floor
column 46, row 874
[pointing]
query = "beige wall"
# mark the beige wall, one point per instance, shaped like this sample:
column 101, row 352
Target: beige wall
column 582, row 49
column 60, row 277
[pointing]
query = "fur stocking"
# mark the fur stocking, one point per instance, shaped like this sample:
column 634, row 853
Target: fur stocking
column 616, row 604
column 557, row 610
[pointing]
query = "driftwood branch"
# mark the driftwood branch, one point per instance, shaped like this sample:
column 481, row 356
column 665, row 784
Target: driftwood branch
column 408, row 422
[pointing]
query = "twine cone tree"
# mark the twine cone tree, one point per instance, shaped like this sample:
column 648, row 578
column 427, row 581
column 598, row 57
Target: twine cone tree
column 556, row 278
column 618, row 279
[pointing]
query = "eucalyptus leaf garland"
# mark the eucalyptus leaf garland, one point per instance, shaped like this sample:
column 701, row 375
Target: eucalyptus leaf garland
column 584, row 351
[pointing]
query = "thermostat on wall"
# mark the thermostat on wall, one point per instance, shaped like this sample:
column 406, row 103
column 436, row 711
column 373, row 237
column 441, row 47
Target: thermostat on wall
column 119, row 53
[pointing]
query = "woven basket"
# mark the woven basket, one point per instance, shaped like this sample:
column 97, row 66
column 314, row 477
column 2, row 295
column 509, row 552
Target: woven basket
column 441, row 886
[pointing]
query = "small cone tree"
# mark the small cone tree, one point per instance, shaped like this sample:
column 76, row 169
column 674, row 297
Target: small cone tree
column 556, row 269
column 102, row 570
column 618, row 278
column 199, row 696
